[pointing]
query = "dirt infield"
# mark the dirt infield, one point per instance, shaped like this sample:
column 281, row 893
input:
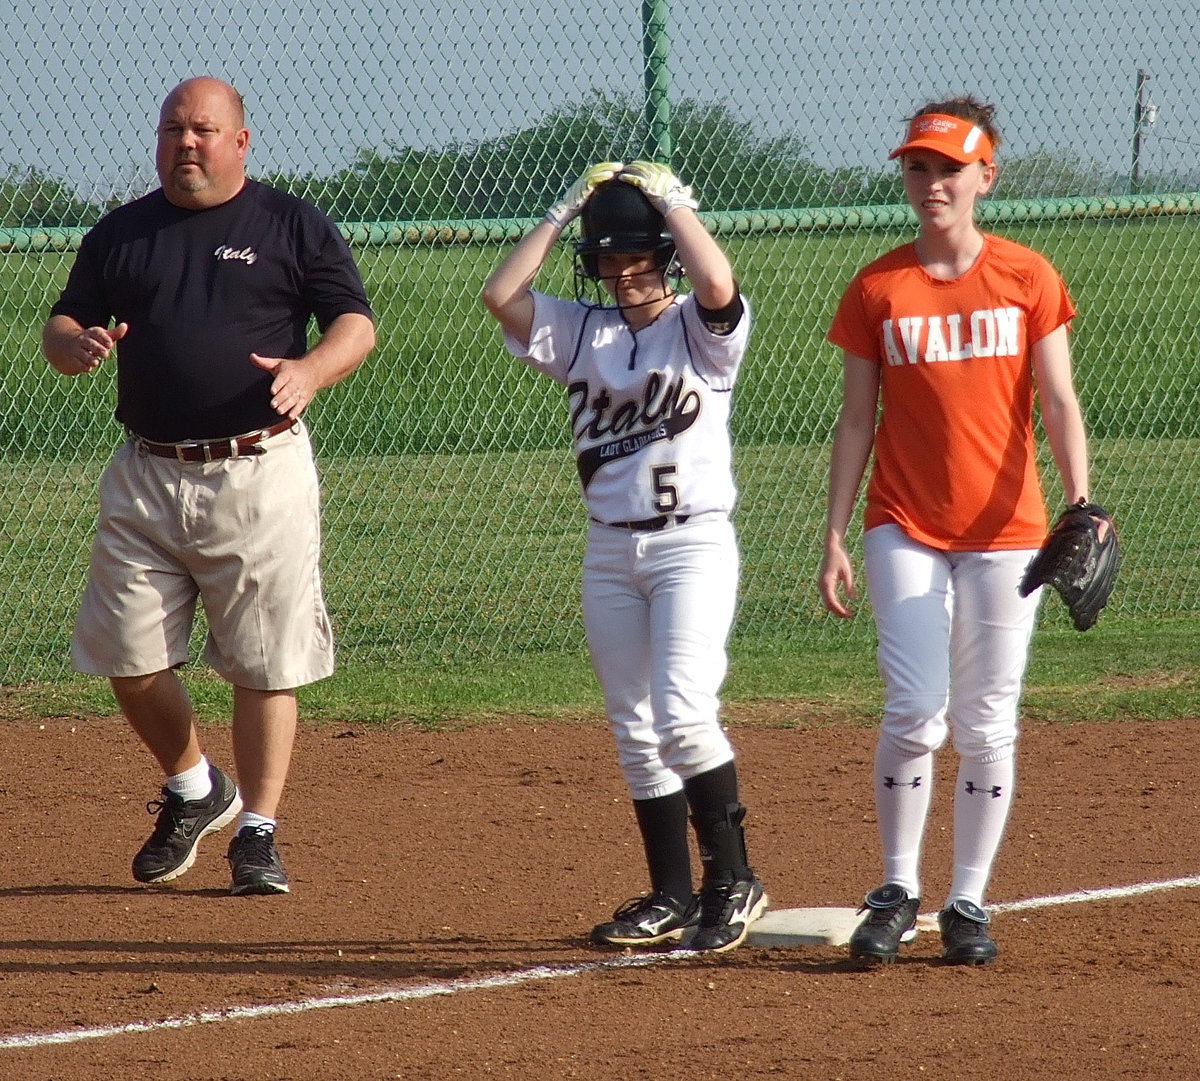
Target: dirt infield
column 444, row 882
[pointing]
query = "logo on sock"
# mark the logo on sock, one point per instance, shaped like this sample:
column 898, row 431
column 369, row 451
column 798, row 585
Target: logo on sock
column 974, row 790
column 891, row 782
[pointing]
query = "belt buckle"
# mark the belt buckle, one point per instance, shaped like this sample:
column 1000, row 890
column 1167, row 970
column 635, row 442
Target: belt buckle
column 182, row 448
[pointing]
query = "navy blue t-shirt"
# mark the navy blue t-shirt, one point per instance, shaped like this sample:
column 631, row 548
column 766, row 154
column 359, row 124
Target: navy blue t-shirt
column 201, row 290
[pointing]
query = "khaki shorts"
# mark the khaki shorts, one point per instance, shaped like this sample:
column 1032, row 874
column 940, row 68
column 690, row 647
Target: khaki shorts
column 242, row 535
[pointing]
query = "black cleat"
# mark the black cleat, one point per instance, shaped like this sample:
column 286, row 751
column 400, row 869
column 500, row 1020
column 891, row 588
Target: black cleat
column 647, row 921
column 965, row 938
column 891, row 919
column 726, row 912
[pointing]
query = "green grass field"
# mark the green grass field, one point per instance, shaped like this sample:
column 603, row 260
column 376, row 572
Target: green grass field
column 454, row 529
column 447, row 608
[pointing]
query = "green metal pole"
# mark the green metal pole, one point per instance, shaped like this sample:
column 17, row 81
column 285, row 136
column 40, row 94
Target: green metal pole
column 655, row 48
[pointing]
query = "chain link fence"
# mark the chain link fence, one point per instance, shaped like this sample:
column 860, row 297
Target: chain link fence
column 436, row 133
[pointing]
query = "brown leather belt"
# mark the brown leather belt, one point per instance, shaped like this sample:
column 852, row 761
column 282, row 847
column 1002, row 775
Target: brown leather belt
column 212, row 450
column 650, row 525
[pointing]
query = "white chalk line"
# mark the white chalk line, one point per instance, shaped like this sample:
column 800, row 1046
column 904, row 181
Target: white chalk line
column 1107, row 894
column 395, row 994
column 509, row 979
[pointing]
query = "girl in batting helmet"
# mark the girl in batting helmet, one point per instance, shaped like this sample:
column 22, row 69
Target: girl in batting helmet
column 618, row 218
column 649, row 375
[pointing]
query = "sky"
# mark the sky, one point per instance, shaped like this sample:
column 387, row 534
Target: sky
column 83, row 79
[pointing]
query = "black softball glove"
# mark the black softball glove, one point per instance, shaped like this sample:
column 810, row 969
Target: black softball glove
column 1077, row 562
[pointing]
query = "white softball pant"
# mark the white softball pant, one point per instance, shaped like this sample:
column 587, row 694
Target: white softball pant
column 953, row 643
column 657, row 608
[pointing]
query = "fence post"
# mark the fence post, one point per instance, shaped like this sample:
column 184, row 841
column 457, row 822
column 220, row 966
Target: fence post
column 658, row 80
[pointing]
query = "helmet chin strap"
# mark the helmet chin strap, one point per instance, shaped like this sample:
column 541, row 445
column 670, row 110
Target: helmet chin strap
column 672, row 273
column 667, row 294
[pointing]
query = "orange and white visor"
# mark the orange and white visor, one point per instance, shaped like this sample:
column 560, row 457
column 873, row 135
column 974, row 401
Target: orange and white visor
column 953, row 136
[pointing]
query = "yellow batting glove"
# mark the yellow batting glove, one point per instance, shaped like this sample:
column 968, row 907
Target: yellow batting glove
column 562, row 213
column 660, row 185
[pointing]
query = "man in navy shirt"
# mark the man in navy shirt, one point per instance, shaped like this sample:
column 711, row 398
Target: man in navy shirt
column 209, row 284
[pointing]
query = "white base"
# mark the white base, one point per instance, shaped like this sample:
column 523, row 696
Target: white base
column 813, row 927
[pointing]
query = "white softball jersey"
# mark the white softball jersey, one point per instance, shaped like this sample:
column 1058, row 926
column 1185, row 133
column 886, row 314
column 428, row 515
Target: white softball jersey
column 649, row 410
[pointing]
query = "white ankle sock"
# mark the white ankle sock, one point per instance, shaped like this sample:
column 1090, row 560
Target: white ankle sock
column 194, row 783
column 255, row 821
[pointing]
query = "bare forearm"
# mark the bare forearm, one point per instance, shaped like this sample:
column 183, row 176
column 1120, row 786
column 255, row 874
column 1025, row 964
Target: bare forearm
column 851, row 451
column 1067, row 437
column 1061, row 415
column 342, row 348
column 57, row 336
column 708, row 268
column 852, row 442
column 73, row 349
column 507, row 293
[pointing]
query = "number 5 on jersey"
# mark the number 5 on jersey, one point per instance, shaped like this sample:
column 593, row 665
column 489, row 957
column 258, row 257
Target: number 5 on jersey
column 666, row 494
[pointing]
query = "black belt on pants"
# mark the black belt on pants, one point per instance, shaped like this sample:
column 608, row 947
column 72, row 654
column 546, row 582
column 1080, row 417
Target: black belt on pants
column 650, row 525
column 211, row 450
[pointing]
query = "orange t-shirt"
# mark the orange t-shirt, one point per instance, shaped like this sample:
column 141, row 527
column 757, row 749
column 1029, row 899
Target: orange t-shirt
column 955, row 463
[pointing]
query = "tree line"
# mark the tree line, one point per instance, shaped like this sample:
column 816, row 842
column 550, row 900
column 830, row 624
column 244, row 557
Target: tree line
column 518, row 174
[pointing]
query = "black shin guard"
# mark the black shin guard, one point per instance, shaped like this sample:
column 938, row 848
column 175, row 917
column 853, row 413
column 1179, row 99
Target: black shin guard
column 722, row 844
column 717, row 819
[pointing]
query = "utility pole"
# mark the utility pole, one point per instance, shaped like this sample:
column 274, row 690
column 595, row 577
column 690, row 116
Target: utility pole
column 1139, row 109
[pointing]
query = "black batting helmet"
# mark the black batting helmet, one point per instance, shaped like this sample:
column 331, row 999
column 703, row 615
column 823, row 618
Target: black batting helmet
column 619, row 218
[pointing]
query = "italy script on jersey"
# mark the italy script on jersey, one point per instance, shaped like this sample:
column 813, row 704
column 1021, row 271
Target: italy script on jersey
column 610, row 430
column 649, row 411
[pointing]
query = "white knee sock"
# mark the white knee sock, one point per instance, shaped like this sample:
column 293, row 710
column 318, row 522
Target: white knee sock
column 981, row 802
column 903, row 787
column 194, row 783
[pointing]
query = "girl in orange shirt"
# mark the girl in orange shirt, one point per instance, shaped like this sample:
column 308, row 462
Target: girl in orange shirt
column 953, row 333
